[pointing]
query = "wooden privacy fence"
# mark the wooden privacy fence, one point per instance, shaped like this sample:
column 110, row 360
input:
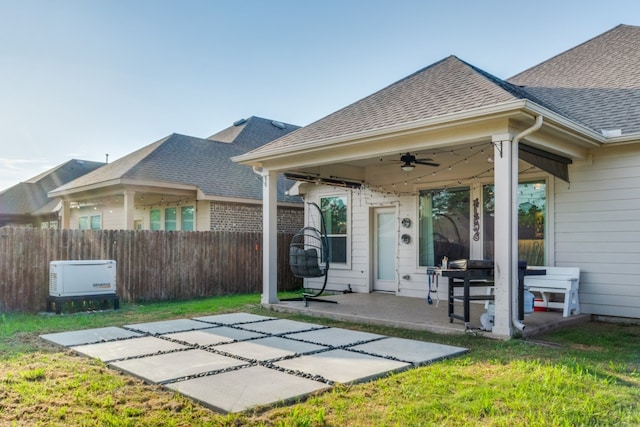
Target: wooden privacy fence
column 151, row 265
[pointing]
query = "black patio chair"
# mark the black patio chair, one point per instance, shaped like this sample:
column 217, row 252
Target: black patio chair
column 309, row 258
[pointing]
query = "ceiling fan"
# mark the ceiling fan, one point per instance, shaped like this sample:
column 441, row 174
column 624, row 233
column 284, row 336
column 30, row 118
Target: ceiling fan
column 409, row 162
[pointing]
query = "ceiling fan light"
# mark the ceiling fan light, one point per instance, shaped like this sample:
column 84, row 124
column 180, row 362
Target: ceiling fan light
column 407, row 167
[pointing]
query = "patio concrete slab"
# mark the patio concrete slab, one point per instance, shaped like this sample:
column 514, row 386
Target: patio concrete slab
column 415, row 352
column 238, row 390
column 123, row 349
column 268, row 348
column 168, row 326
column 279, row 326
column 343, row 366
column 173, row 366
column 89, row 336
column 233, row 318
column 335, row 337
column 230, row 368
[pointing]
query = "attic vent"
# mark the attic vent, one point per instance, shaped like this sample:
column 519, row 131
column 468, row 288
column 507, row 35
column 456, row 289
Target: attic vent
column 279, row 125
column 240, row 122
column 611, row 133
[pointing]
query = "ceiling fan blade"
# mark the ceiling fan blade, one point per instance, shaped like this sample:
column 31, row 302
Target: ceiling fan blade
column 427, row 162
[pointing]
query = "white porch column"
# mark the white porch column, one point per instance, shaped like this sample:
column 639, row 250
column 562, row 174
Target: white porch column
column 269, row 237
column 128, row 210
column 65, row 215
column 506, row 231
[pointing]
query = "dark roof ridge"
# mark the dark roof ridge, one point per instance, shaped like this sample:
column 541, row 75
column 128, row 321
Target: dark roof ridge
column 518, row 91
column 234, row 133
column 513, row 89
column 119, row 167
column 42, row 175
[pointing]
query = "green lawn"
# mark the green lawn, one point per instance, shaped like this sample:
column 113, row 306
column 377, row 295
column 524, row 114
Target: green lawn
column 583, row 376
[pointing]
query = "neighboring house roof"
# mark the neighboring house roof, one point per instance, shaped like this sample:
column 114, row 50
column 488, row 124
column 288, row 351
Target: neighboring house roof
column 606, row 96
column 203, row 163
column 596, row 83
column 30, row 197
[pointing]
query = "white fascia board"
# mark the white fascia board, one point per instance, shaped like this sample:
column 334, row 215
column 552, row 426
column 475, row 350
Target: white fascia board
column 157, row 185
column 632, row 138
column 505, row 109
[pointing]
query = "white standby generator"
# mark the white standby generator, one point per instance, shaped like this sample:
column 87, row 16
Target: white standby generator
column 82, row 278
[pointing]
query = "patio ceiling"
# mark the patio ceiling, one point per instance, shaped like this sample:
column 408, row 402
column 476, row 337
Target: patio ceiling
column 372, row 158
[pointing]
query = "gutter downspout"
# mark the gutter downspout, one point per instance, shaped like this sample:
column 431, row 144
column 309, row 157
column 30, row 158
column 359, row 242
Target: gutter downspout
column 514, row 232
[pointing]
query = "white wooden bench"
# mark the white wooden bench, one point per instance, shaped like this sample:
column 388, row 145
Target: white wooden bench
column 558, row 280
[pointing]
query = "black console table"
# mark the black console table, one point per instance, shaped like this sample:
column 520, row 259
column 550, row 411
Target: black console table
column 480, row 274
column 467, row 279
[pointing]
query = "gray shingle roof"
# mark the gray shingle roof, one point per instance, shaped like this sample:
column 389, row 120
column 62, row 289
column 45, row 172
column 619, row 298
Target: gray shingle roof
column 596, row 83
column 448, row 86
column 30, row 196
column 205, row 163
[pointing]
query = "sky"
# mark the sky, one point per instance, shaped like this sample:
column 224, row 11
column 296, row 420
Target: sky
column 80, row 79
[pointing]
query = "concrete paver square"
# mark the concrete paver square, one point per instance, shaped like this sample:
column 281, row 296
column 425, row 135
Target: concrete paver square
column 168, row 326
column 89, row 336
column 232, row 334
column 343, row 366
column 242, row 389
column 279, row 326
column 336, row 337
column 268, row 348
column 416, row 352
column 233, row 318
column 201, row 337
column 122, row 349
column 180, row 364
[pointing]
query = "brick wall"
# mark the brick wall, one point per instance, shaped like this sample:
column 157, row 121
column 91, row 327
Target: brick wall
column 242, row 217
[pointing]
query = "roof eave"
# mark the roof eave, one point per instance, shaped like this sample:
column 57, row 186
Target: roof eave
column 631, row 138
column 83, row 188
column 553, row 119
column 582, row 132
column 143, row 185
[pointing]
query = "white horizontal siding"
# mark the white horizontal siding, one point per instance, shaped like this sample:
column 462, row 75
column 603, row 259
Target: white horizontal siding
column 624, row 246
column 113, row 218
column 358, row 273
column 597, row 228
